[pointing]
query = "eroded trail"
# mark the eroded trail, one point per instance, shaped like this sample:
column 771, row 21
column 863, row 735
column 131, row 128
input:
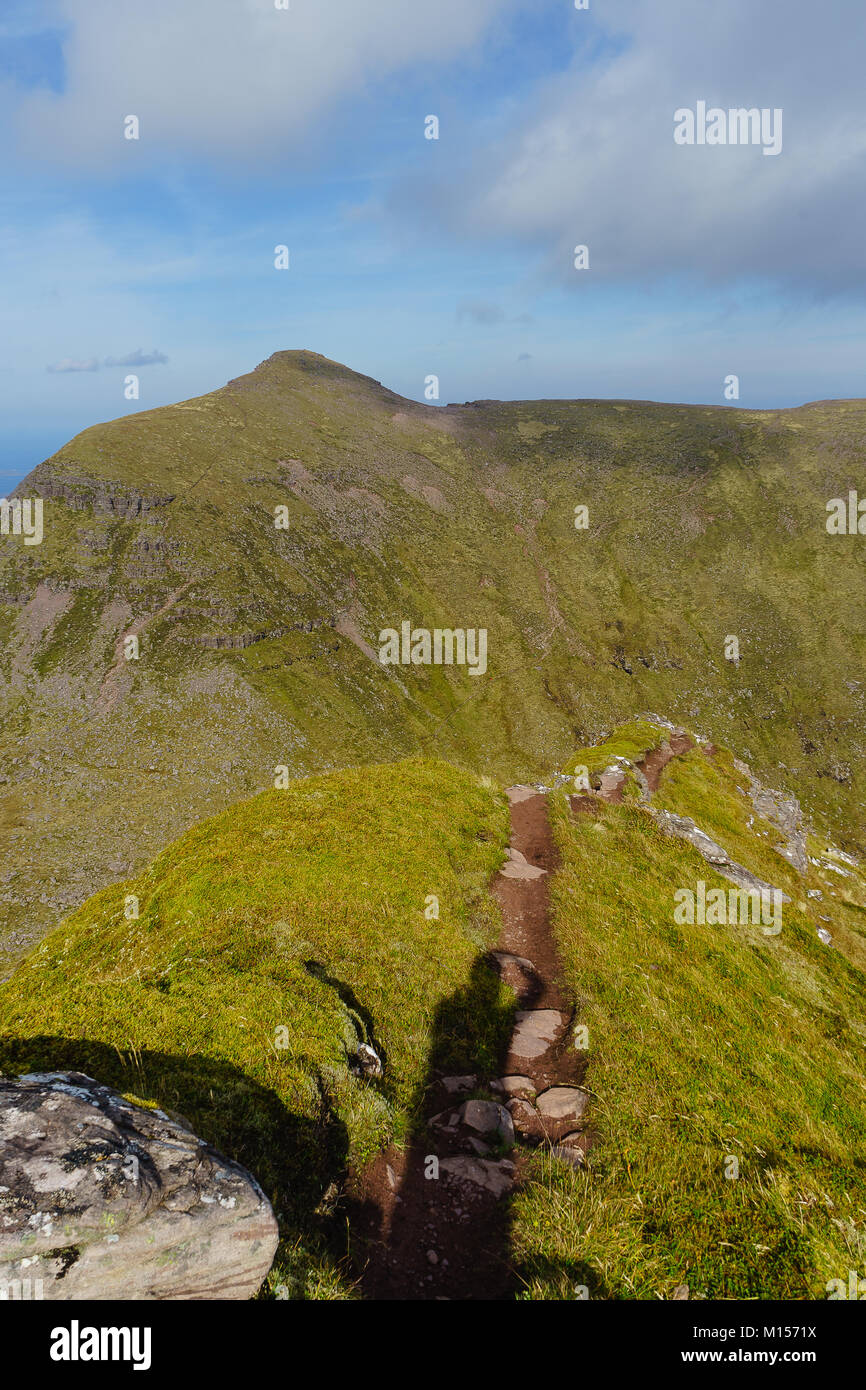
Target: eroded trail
column 542, row 1070
column 434, row 1219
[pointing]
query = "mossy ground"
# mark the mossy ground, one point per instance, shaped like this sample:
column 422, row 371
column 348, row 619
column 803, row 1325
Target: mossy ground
column 269, row 942
column 273, row 937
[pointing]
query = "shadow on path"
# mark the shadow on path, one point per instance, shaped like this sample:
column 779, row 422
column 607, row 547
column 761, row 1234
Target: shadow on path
column 423, row 1236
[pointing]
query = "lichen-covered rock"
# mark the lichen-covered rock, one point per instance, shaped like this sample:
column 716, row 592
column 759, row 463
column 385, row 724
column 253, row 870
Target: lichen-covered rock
column 103, row 1199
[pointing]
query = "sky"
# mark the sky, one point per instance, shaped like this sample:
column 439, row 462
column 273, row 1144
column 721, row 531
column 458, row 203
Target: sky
column 306, row 126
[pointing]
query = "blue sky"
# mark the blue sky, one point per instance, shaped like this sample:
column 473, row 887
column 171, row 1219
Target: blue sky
column 411, row 256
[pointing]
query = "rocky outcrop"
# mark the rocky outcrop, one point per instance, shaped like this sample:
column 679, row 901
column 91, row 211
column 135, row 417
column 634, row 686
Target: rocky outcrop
column 783, row 812
column 684, row 828
column 104, row 1199
column 83, row 493
column 237, row 641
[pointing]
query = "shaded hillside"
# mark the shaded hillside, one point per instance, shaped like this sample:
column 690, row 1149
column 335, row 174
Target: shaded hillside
column 258, row 645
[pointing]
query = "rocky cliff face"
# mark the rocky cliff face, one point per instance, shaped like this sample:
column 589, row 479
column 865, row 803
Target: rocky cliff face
column 87, row 494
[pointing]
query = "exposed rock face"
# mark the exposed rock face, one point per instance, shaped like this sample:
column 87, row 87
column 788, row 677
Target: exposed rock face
column 782, row 811
column 103, row 1199
column 684, row 828
column 88, row 494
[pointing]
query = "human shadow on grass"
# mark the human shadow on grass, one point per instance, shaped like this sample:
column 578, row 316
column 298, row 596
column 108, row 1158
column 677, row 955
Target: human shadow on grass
column 418, row 1236
column 296, row 1159
column 575, row 1278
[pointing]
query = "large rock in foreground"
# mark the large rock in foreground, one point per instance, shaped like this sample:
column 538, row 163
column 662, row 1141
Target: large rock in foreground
column 103, row 1199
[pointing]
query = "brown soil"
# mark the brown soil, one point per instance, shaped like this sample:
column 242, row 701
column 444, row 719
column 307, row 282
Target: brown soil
column 654, row 763
column 445, row 1238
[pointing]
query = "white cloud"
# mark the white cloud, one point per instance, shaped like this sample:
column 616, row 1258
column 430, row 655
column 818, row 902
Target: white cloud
column 232, row 79
column 93, row 364
column 480, row 311
column 593, row 161
column 137, row 359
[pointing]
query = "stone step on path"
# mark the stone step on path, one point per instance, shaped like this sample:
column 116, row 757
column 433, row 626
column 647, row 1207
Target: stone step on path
column 481, row 1144
column 449, row 1239
column 536, row 1031
column 542, row 1069
column 540, row 1104
column 516, row 866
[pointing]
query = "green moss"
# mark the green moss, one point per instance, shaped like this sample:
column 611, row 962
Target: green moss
column 629, row 741
column 703, row 522
column 269, row 942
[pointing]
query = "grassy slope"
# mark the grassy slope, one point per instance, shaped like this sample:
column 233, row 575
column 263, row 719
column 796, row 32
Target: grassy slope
column 704, row 1042
column 703, row 522
column 304, row 909
column 295, row 910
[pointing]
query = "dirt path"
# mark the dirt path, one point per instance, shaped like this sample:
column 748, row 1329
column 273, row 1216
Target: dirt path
column 109, row 691
column 653, row 764
column 423, row 1236
column 432, row 1221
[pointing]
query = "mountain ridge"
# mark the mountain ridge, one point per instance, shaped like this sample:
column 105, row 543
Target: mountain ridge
column 702, row 522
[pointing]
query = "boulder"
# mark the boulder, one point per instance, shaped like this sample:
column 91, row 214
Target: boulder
column 104, row 1199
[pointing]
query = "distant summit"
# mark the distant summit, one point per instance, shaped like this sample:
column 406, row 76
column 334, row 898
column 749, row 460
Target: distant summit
column 207, row 603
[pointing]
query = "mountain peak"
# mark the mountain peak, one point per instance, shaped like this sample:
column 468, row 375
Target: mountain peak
column 296, row 365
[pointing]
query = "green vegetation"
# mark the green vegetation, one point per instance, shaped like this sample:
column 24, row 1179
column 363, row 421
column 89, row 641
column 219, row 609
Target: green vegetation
column 270, row 941
column 273, row 938
column 705, row 1042
column 704, row 522
column 303, row 909
column 629, row 742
